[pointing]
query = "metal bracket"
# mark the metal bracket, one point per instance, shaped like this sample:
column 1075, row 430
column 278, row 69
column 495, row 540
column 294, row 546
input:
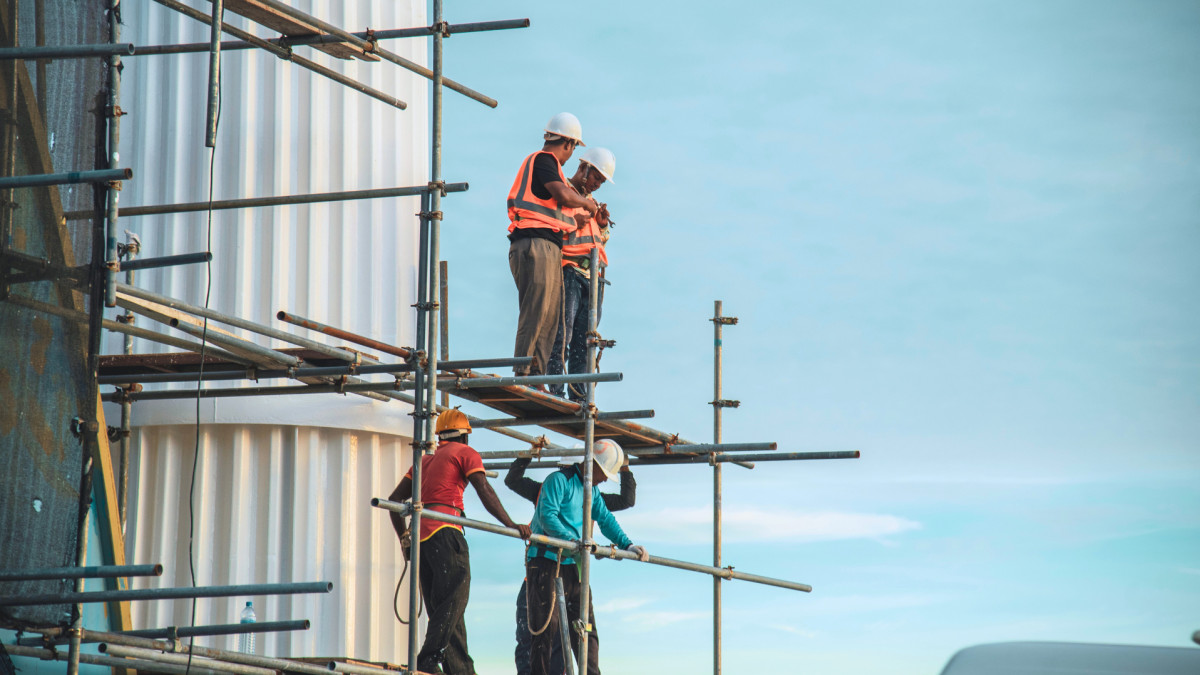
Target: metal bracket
column 126, row 318
column 430, row 215
column 725, row 320
column 439, row 185
column 442, row 27
column 114, row 111
column 725, row 403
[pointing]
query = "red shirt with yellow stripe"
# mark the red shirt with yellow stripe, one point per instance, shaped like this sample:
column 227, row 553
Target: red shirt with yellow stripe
column 444, row 476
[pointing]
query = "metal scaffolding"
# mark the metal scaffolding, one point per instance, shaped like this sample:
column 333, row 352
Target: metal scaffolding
column 213, row 355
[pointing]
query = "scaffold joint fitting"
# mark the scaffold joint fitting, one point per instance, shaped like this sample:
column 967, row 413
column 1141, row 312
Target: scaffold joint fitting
column 725, row 403
column 724, row 320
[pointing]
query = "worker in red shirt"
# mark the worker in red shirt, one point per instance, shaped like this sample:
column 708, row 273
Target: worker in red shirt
column 445, row 560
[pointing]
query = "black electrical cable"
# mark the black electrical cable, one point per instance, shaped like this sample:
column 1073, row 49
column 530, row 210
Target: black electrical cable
column 212, row 157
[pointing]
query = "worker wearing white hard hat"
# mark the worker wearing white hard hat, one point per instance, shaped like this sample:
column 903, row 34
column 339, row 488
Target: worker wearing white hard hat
column 559, row 514
column 540, row 205
column 518, row 482
column 596, row 167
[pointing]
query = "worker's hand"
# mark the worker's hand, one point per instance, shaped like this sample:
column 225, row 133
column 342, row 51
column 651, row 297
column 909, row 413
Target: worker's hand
column 525, row 531
column 592, row 207
column 602, row 217
column 581, row 220
column 640, row 552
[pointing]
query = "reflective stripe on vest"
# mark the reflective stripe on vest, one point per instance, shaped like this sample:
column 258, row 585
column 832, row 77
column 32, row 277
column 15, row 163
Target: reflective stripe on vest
column 526, row 210
column 581, row 241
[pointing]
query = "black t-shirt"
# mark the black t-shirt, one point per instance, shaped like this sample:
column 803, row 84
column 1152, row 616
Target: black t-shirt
column 545, row 170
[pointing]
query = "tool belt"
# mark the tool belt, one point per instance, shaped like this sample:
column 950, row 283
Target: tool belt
column 581, row 261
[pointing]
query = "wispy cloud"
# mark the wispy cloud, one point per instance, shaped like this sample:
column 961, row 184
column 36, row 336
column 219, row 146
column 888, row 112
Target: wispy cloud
column 663, row 618
column 794, row 630
column 1190, row 570
column 621, row 604
column 685, row 525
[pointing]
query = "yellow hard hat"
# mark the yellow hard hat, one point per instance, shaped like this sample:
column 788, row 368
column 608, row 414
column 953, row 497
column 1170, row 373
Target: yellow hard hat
column 452, row 420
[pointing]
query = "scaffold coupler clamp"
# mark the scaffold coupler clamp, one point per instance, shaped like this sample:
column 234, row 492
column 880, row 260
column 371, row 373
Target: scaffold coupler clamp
column 725, row 403
column 669, row 442
column 442, row 27
column 724, row 320
column 372, row 41
column 440, row 186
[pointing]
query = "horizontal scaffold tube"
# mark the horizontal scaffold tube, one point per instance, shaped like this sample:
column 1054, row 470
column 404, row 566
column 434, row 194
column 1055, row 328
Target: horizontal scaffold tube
column 282, row 200
column 315, row 371
column 109, row 661
column 46, row 179
column 183, row 660
column 97, row 572
column 166, row 261
column 405, row 509
column 654, row 450
column 208, row 652
column 165, row 593
column 188, row 631
column 561, row 419
column 293, row 40
column 718, row 458
column 66, row 51
column 211, row 353
column 405, row 385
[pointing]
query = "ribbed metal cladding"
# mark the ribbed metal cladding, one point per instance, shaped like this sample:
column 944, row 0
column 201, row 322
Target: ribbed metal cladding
column 283, row 484
column 273, row 504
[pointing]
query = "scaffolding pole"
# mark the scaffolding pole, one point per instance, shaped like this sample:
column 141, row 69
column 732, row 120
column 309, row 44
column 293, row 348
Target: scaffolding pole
column 589, row 455
column 717, row 403
column 612, row 552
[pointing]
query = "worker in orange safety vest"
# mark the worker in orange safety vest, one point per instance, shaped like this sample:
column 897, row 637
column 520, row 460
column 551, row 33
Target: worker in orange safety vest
column 596, row 167
column 539, row 213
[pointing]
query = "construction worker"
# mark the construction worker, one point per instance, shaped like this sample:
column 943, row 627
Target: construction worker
column 529, row 489
column 596, row 166
column 538, row 205
column 445, row 572
column 559, row 513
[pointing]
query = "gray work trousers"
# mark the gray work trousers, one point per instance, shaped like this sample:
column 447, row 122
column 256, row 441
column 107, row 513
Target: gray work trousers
column 536, row 266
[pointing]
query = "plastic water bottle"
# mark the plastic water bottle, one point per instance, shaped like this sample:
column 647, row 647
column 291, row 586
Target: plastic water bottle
column 246, row 640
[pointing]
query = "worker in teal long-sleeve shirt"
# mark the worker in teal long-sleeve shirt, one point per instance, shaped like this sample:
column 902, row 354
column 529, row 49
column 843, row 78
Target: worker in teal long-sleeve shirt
column 559, row 514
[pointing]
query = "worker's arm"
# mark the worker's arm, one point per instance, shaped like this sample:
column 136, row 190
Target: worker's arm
column 402, row 493
column 608, row 524
column 628, row 495
column 492, row 503
column 566, row 196
column 516, row 481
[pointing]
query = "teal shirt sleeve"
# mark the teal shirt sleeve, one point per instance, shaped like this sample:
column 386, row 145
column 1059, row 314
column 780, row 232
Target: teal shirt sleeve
column 549, row 507
column 607, row 522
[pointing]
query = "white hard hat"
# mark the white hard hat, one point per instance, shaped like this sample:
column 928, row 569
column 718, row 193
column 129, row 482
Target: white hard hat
column 602, row 160
column 567, row 125
column 609, row 456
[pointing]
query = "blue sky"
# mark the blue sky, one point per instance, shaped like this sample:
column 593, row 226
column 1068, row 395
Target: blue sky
column 960, row 237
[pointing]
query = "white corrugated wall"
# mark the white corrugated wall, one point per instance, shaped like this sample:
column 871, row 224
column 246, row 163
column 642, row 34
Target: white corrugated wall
column 283, row 483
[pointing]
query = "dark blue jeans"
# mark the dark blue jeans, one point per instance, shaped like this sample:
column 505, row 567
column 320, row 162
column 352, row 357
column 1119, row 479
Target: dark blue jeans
column 571, row 342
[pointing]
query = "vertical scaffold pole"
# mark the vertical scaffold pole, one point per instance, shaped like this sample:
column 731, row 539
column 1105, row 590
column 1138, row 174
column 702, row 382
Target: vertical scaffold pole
column 114, row 156
column 716, row 487
column 427, row 322
column 589, row 440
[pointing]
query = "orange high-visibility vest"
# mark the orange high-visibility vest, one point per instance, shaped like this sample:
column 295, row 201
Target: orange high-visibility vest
column 581, row 241
column 526, row 210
